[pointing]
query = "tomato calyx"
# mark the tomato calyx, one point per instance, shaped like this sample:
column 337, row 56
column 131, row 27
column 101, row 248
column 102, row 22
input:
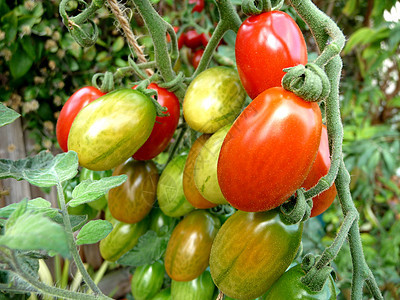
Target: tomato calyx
column 107, row 84
column 252, row 7
column 315, row 277
column 161, row 111
column 297, row 209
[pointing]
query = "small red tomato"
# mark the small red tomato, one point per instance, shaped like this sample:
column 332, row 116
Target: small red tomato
column 71, row 108
column 197, row 57
column 265, row 45
column 193, row 39
column 198, row 5
column 164, row 127
column 319, row 169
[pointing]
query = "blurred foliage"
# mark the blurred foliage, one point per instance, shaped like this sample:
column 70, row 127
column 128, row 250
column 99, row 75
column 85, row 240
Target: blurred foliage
column 41, row 66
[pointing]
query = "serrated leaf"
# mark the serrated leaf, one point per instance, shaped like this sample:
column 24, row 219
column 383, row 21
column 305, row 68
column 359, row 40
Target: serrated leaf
column 90, row 190
column 7, row 115
column 36, row 232
column 93, row 232
column 149, row 248
column 42, row 170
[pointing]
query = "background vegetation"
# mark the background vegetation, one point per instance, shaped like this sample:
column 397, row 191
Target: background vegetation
column 41, row 66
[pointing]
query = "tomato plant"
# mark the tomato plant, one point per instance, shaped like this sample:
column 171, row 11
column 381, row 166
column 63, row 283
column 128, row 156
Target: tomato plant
column 164, row 127
column 193, row 39
column 189, row 247
column 289, row 286
column 85, row 174
column 254, row 169
column 213, row 99
column 196, row 58
column 198, row 5
column 200, row 288
column 111, row 129
column 133, row 200
column 265, row 45
column 319, row 169
column 159, row 222
column 147, row 280
column 189, row 187
column 165, row 294
column 251, row 251
column 71, row 108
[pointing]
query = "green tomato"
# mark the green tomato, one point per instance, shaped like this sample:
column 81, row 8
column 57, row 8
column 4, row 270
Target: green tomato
column 85, row 174
column 147, row 280
column 251, row 251
column 200, row 288
column 165, row 294
column 205, row 168
column 213, row 99
column 171, row 198
column 109, row 130
column 159, row 221
column 122, row 238
column 289, row 286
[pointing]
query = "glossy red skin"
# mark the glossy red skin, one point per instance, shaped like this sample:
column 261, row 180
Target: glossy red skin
column 196, row 58
column 193, row 39
column 199, row 5
column 71, row 108
column 265, row 45
column 164, row 127
column 269, row 150
column 319, row 169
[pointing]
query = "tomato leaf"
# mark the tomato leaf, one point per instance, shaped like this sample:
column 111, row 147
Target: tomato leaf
column 90, row 190
column 42, row 170
column 31, row 231
column 7, row 115
column 93, row 232
column 149, row 248
column 20, row 63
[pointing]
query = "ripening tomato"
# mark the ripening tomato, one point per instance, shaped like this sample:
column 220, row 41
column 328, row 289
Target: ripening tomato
column 196, row 58
column 189, row 247
column 71, row 108
column 198, row 5
column 147, row 280
column 251, row 251
column 132, row 201
column 164, row 127
column 213, row 99
column 189, row 187
column 111, row 129
column 171, row 197
column 289, row 286
column 200, row 288
column 319, row 169
column 160, row 222
column 165, row 294
column 269, row 150
column 265, row 45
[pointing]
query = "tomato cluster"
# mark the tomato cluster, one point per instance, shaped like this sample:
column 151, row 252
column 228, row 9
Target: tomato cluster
column 251, row 158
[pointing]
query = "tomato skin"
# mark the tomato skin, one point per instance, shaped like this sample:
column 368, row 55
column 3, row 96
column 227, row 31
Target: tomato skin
column 200, row 288
column 189, row 187
column 276, row 43
column 213, row 99
column 289, row 286
column 251, row 251
column 85, row 174
column 71, row 108
column 196, row 58
column 164, row 127
column 253, row 165
column 170, row 195
column 158, row 220
column 147, row 280
column 111, row 129
column 205, row 168
column 134, row 199
column 122, row 238
column 319, row 169
column 165, row 294
column 193, row 39
column 189, row 247
column 199, row 5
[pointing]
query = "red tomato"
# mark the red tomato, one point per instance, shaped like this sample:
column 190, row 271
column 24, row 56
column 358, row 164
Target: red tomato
column 181, row 38
column 164, row 127
column 199, row 5
column 71, row 108
column 319, row 169
column 193, row 39
column 265, row 45
column 197, row 57
column 269, row 150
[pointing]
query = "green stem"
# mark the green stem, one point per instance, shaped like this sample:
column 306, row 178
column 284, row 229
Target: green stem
column 176, row 144
column 72, row 246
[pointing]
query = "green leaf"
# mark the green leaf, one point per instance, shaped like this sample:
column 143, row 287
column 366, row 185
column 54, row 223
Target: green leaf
column 118, row 44
column 19, row 211
column 43, row 170
column 93, row 232
column 36, row 232
column 149, row 248
column 10, row 21
column 350, row 7
column 7, row 115
column 358, row 38
column 20, row 63
column 28, row 43
column 90, row 190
